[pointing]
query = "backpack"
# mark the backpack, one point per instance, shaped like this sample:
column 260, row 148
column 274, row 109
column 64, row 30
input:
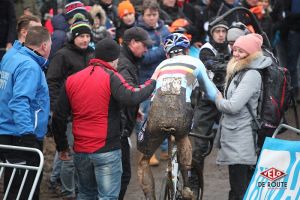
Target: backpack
column 275, row 97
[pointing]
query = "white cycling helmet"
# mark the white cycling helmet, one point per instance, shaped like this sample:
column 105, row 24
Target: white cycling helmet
column 176, row 40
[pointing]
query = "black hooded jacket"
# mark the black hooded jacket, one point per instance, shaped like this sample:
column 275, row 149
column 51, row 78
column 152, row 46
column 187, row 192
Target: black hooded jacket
column 66, row 61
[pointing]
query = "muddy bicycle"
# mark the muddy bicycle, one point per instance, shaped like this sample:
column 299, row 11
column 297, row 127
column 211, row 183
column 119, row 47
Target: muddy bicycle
column 172, row 185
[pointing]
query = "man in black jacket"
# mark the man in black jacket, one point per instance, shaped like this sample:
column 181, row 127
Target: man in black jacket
column 73, row 57
column 135, row 42
column 212, row 54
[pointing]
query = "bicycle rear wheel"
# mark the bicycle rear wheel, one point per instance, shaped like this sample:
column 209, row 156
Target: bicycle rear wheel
column 196, row 185
column 165, row 193
column 179, row 187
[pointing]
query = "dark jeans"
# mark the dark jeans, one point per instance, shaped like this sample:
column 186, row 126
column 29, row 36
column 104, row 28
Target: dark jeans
column 293, row 52
column 239, row 178
column 126, row 175
column 30, row 158
column 288, row 51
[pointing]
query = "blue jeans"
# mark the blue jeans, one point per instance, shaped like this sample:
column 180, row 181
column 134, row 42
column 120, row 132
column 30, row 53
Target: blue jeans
column 65, row 169
column 55, row 174
column 99, row 175
column 67, row 173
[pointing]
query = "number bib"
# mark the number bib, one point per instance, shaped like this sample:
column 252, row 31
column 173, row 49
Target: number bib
column 171, row 85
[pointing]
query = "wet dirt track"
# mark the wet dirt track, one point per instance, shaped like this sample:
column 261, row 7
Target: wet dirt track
column 216, row 184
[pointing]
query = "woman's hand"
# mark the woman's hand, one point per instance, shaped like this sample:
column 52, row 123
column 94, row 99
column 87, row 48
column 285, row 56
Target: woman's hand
column 219, row 96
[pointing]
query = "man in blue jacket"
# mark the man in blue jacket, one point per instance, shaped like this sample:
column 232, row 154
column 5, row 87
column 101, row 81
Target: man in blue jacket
column 24, row 104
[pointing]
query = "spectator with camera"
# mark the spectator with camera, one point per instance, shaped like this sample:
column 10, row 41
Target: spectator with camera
column 215, row 55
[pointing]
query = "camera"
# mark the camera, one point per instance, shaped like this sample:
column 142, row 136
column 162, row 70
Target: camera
column 217, row 70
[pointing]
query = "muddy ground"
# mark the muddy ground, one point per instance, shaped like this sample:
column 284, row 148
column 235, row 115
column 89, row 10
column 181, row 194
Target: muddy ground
column 216, row 177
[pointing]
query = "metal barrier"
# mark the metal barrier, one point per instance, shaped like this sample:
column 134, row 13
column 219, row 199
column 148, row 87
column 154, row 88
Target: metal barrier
column 22, row 166
column 285, row 126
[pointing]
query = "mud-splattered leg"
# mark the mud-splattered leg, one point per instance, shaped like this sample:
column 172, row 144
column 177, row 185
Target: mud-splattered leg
column 184, row 148
column 145, row 177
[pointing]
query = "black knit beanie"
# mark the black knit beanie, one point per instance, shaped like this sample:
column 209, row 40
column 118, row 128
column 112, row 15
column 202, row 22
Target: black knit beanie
column 107, row 50
column 220, row 24
column 80, row 26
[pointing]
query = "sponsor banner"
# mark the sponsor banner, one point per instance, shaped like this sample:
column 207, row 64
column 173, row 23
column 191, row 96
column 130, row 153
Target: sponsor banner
column 277, row 173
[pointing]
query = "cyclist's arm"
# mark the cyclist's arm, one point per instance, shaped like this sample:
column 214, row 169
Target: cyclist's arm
column 208, row 86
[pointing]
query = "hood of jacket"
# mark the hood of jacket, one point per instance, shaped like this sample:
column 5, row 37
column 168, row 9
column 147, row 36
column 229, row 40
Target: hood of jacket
column 98, row 11
column 59, row 23
column 98, row 62
column 254, row 61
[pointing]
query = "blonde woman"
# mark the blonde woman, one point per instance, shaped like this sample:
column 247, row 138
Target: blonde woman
column 237, row 138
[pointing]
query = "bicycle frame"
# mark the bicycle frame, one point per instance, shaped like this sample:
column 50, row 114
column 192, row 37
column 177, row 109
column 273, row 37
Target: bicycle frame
column 172, row 170
column 172, row 185
column 173, row 166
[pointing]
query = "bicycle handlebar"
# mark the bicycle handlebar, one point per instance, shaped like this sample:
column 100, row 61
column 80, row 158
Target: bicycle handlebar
column 205, row 137
column 208, row 138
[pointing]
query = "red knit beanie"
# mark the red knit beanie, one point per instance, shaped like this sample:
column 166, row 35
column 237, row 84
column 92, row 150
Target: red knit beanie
column 124, row 8
column 250, row 43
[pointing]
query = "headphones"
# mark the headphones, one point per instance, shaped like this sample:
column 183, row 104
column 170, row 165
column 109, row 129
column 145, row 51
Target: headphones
column 69, row 36
column 240, row 26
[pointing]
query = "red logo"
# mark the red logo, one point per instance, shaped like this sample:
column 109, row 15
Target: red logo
column 272, row 174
